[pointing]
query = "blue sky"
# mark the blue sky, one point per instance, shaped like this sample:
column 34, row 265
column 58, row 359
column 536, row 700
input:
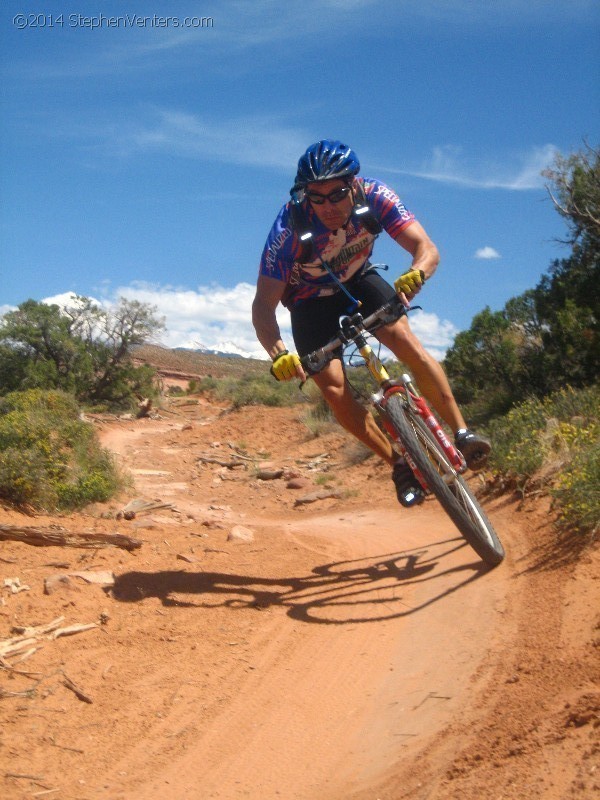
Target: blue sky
column 145, row 152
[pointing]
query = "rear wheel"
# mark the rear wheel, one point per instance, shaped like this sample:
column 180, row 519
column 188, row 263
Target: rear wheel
column 444, row 481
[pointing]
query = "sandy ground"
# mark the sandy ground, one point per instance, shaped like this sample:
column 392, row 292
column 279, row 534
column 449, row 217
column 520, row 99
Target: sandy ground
column 351, row 650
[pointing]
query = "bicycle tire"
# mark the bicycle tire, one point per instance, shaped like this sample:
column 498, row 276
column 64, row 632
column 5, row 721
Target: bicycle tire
column 444, row 481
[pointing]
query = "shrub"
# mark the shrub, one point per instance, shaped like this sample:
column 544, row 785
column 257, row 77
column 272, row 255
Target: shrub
column 318, row 418
column 49, row 458
column 578, row 491
column 517, row 437
column 251, row 390
column 556, row 440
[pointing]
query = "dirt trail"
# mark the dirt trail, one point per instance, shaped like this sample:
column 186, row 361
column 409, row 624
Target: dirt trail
column 352, row 649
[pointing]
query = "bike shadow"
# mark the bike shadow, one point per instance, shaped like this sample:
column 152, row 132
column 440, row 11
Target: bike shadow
column 364, row 590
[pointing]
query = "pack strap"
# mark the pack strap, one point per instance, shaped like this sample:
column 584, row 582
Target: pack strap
column 362, row 213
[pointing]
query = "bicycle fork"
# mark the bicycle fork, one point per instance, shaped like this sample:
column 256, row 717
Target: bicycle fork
column 416, row 405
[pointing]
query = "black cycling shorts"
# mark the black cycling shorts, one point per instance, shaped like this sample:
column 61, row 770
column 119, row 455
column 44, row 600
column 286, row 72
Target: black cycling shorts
column 315, row 322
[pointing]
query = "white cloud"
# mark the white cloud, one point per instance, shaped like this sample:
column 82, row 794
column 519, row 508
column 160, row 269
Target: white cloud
column 436, row 334
column 219, row 318
column 66, row 299
column 516, row 172
column 267, row 141
column 258, row 141
column 487, row 252
column 213, row 317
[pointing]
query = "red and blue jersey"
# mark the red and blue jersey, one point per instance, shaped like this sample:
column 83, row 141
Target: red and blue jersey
column 345, row 251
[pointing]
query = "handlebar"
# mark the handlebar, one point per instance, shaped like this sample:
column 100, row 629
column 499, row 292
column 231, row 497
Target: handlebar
column 390, row 312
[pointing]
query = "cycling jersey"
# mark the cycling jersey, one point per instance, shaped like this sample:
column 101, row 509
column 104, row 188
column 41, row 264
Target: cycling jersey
column 345, row 251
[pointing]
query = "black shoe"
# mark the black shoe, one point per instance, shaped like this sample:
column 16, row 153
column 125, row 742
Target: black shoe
column 475, row 448
column 408, row 488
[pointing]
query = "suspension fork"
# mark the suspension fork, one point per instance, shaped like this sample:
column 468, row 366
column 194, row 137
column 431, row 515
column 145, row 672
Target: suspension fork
column 379, row 400
column 417, row 405
column 387, row 388
column 412, row 398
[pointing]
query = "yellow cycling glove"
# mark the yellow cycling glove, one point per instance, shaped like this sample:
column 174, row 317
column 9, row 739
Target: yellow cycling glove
column 284, row 366
column 410, row 282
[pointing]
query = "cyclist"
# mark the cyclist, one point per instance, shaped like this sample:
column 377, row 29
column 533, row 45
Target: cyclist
column 316, row 263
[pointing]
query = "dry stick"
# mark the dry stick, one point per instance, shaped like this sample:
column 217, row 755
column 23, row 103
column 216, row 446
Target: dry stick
column 231, row 464
column 24, row 776
column 25, row 693
column 66, row 747
column 5, row 665
column 39, row 537
column 76, row 690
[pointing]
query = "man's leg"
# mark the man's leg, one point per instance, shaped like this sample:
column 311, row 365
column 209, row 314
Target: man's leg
column 350, row 413
column 359, row 421
column 428, row 373
column 432, row 381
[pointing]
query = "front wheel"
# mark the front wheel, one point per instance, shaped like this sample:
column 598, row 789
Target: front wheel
column 443, row 480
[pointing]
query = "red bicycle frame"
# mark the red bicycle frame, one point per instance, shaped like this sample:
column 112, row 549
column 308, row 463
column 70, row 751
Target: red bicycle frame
column 419, row 406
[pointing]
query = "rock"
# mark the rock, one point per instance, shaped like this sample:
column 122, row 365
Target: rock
column 213, row 523
column 100, row 578
column 240, row 534
column 297, row 483
column 184, row 557
column 63, row 581
column 56, row 582
column 269, row 474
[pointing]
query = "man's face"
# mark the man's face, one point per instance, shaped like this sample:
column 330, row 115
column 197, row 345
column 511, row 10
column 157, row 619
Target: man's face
column 332, row 214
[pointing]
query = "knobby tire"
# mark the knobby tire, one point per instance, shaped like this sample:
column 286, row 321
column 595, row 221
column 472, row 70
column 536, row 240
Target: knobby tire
column 444, row 482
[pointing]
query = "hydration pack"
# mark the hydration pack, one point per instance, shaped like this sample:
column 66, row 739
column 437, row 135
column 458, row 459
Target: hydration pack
column 361, row 214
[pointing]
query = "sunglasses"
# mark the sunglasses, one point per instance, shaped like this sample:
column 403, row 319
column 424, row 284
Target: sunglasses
column 334, row 197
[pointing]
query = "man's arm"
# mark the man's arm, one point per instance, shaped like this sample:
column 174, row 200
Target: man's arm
column 269, row 292
column 425, row 254
column 425, row 260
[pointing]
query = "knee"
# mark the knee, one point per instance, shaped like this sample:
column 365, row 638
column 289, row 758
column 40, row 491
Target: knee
column 409, row 349
column 334, row 395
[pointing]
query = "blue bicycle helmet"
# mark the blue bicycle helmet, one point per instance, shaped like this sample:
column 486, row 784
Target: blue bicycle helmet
column 324, row 161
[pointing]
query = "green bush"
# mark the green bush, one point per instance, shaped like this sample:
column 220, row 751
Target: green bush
column 49, row 458
column 558, row 440
column 318, row 418
column 518, row 448
column 84, row 350
column 578, row 491
column 252, row 390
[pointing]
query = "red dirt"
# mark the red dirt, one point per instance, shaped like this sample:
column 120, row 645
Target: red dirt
column 353, row 650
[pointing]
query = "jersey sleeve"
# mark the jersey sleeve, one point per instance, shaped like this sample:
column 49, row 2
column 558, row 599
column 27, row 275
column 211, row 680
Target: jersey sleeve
column 387, row 207
column 281, row 249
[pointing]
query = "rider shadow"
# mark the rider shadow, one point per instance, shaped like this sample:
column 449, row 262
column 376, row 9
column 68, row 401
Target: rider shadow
column 364, row 590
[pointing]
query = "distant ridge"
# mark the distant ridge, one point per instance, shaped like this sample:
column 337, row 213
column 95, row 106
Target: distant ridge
column 205, row 351
column 198, row 363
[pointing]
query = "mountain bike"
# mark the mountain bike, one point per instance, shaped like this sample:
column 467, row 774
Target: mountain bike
column 415, row 432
